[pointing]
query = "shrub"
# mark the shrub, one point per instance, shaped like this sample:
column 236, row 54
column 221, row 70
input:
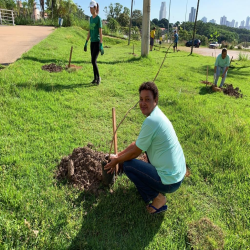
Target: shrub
column 239, row 47
column 224, row 44
column 243, row 57
column 231, row 47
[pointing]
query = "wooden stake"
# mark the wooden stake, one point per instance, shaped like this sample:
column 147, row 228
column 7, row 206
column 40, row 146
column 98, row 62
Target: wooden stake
column 207, row 71
column 115, row 137
column 70, row 56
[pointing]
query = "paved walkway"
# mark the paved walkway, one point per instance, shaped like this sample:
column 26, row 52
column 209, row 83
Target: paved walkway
column 15, row 40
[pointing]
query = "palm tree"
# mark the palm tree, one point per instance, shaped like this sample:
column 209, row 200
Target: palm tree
column 195, row 26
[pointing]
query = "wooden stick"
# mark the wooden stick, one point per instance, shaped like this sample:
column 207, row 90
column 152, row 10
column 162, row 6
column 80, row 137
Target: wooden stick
column 115, row 136
column 231, row 59
column 70, row 56
column 207, row 71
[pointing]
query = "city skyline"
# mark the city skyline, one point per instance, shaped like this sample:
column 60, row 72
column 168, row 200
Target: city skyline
column 178, row 9
column 223, row 20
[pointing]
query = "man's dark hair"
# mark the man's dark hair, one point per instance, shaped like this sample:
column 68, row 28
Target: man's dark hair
column 224, row 50
column 150, row 86
column 154, row 28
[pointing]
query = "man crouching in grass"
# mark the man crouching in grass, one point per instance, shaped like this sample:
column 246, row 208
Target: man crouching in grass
column 166, row 168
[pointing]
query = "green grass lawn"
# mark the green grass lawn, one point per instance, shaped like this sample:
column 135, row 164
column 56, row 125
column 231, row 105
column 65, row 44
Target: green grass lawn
column 44, row 116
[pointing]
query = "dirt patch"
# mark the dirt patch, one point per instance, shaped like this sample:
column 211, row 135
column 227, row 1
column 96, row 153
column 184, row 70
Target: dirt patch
column 87, row 169
column 203, row 234
column 227, row 89
column 52, row 68
column 231, row 91
column 106, row 47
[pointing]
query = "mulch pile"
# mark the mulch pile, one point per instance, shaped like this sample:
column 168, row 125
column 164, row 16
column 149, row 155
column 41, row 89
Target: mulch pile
column 52, row 68
column 87, row 168
column 231, row 91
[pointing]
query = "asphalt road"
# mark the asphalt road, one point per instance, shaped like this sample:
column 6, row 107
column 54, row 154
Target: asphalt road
column 212, row 52
column 16, row 40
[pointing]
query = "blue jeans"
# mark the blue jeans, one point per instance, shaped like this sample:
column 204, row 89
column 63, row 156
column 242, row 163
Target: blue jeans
column 147, row 180
column 218, row 69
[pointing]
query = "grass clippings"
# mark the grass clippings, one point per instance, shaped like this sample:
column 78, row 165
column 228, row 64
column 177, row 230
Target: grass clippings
column 205, row 235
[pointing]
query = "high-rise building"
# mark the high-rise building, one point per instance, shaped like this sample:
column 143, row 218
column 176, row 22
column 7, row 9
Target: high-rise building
column 192, row 15
column 232, row 23
column 212, row 21
column 242, row 23
column 204, row 19
column 223, row 20
column 236, row 25
column 248, row 21
column 163, row 12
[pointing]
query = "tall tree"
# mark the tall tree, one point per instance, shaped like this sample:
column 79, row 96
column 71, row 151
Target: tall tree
column 137, row 18
column 117, row 9
column 42, row 7
column 155, row 21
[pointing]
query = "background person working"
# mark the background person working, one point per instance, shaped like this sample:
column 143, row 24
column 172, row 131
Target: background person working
column 176, row 37
column 222, row 63
column 152, row 38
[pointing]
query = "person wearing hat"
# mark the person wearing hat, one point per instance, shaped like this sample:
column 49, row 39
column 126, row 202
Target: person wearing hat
column 176, row 37
column 152, row 38
column 95, row 35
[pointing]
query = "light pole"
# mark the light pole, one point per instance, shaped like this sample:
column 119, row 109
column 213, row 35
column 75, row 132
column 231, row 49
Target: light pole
column 186, row 14
column 145, row 27
column 169, row 17
column 130, row 22
column 198, row 2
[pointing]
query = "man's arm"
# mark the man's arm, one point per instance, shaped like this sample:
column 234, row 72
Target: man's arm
column 131, row 152
column 126, row 149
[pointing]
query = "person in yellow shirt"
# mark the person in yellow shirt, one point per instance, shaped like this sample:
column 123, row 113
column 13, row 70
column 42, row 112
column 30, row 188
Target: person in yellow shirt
column 152, row 38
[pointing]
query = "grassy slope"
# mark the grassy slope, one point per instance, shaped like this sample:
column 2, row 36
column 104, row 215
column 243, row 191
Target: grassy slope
column 44, row 116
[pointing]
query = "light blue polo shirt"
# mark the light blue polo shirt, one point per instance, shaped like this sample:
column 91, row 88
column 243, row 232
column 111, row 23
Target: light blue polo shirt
column 158, row 138
column 222, row 62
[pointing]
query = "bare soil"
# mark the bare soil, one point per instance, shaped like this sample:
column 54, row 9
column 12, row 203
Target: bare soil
column 52, row 68
column 87, row 165
column 231, row 91
column 227, row 89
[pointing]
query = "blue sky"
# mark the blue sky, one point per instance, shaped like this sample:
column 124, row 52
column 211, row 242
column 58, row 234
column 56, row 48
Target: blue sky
column 212, row 9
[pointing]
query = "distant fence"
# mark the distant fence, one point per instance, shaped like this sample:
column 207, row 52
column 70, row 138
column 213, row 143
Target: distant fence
column 7, row 17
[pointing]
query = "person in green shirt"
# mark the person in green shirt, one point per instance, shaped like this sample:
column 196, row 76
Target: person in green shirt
column 95, row 35
column 166, row 166
column 222, row 63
